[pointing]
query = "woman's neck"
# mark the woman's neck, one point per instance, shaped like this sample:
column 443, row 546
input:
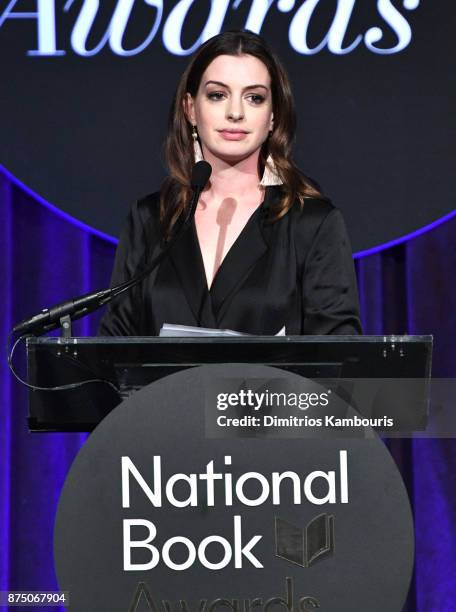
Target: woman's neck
column 237, row 179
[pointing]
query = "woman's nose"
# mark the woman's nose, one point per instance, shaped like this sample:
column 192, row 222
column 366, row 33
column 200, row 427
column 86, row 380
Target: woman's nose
column 235, row 110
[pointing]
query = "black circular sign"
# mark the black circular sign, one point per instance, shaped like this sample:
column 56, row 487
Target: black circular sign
column 159, row 507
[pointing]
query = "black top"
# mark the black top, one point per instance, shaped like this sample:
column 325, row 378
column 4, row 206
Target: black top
column 296, row 273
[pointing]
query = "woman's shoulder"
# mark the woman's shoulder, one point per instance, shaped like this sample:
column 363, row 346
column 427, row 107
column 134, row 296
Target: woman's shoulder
column 143, row 221
column 318, row 224
column 147, row 207
column 316, row 207
column 314, row 213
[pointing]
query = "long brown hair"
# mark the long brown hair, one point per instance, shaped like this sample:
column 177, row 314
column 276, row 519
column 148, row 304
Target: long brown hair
column 178, row 147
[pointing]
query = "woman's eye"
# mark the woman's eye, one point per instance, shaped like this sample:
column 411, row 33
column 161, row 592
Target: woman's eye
column 256, row 98
column 219, row 95
column 215, row 95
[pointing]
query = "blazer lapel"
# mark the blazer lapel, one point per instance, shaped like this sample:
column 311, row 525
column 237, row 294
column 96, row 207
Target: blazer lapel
column 249, row 247
column 188, row 263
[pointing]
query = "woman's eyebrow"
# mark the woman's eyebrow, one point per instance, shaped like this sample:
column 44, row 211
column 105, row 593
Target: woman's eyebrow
column 243, row 89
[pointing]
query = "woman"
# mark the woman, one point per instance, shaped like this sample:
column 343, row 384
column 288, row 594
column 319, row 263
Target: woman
column 260, row 256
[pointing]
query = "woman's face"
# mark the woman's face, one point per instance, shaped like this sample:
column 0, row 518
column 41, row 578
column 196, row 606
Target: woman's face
column 232, row 109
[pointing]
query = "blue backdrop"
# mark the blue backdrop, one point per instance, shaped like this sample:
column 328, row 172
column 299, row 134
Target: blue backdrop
column 45, row 258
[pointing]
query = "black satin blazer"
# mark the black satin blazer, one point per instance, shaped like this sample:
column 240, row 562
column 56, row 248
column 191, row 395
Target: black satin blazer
column 296, row 273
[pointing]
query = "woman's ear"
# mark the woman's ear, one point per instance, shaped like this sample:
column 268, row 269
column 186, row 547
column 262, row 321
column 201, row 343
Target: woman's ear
column 189, row 108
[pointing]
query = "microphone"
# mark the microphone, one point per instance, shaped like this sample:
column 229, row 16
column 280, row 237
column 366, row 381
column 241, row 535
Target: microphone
column 200, row 175
column 49, row 318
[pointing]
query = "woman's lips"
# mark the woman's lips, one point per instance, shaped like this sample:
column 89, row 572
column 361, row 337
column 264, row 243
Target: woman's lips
column 232, row 135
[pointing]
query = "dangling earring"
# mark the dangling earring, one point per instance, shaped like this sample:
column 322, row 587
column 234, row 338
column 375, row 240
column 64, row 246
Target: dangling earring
column 198, row 153
column 270, row 174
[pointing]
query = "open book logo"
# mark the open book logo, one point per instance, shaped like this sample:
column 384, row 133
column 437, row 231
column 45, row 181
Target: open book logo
column 305, row 546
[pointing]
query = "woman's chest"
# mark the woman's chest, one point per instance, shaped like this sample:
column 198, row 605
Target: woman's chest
column 254, row 290
column 217, row 231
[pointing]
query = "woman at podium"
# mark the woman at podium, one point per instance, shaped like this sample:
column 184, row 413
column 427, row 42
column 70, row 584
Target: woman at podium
column 266, row 252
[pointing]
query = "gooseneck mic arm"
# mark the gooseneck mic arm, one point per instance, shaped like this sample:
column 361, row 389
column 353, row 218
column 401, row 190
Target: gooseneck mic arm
column 49, row 318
